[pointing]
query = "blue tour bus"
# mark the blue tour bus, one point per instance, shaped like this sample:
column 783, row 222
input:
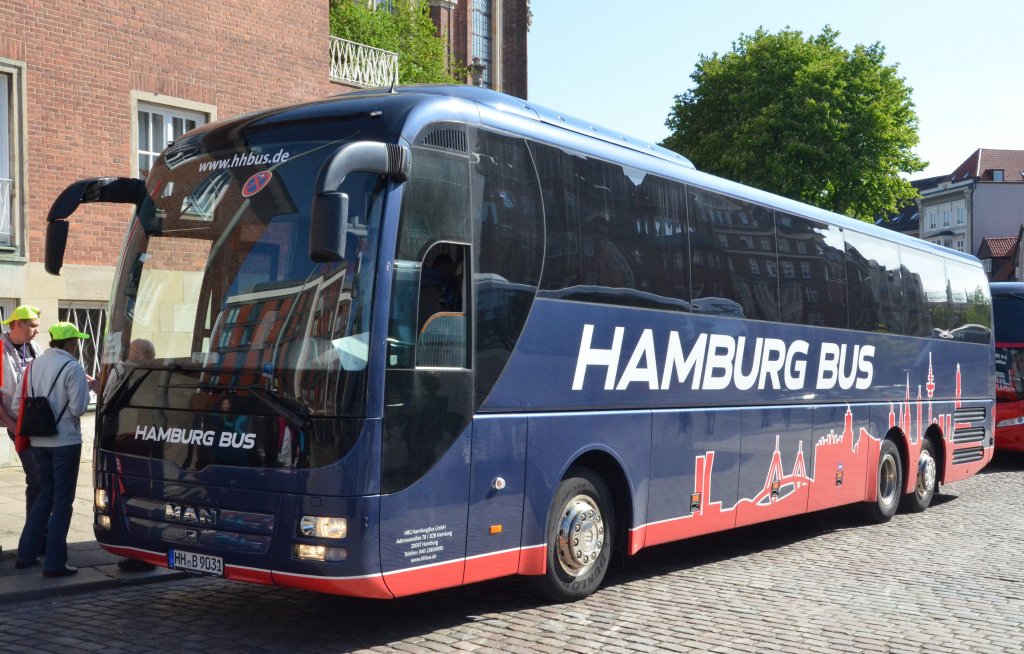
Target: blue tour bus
column 414, row 339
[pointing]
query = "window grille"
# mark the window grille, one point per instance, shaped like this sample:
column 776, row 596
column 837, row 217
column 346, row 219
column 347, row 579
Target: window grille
column 90, row 318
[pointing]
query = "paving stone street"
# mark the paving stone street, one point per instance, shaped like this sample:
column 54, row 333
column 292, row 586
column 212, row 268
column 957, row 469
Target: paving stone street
column 948, row 580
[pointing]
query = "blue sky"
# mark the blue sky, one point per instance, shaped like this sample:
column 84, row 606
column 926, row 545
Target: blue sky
column 620, row 64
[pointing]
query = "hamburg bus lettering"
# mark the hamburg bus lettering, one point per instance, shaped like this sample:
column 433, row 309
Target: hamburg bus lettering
column 721, row 361
column 244, row 441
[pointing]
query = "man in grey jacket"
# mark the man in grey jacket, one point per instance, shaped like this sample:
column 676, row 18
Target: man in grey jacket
column 18, row 352
column 58, row 375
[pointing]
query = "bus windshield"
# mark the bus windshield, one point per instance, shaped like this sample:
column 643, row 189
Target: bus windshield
column 1008, row 316
column 217, row 290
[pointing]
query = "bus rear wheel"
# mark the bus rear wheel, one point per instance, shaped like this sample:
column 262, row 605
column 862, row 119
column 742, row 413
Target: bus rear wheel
column 579, row 536
column 924, row 489
column 889, row 484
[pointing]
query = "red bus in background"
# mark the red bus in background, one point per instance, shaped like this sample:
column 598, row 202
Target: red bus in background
column 1008, row 316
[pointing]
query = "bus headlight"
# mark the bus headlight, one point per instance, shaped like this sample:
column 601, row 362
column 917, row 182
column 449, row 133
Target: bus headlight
column 103, row 521
column 102, row 499
column 323, row 527
column 1011, row 422
column 320, row 553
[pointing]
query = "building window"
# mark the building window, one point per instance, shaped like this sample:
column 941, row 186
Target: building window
column 945, row 218
column 959, row 215
column 997, row 175
column 158, row 126
column 90, row 318
column 6, row 183
column 933, row 217
column 12, row 177
column 960, row 244
column 482, row 38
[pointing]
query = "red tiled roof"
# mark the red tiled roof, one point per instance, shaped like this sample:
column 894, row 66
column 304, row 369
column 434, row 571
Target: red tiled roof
column 998, row 246
column 983, row 161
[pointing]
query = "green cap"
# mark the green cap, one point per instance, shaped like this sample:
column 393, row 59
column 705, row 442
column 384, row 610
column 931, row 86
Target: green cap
column 61, row 331
column 24, row 312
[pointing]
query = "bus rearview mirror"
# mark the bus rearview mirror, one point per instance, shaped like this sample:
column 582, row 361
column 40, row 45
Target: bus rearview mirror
column 56, row 243
column 94, row 189
column 328, row 227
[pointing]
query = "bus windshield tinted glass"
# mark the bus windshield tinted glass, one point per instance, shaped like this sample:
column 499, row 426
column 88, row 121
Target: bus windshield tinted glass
column 1008, row 316
column 217, row 290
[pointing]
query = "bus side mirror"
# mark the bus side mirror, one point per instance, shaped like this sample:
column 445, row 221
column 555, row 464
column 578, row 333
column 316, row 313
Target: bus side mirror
column 328, row 220
column 94, row 189
column 328, row 227
column 56, row 243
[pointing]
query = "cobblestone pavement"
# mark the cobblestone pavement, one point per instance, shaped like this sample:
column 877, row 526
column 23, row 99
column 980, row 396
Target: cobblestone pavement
column 945, row 581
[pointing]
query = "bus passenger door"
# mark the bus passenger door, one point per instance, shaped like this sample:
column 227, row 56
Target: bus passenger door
column 427, row 431
column 497, row 482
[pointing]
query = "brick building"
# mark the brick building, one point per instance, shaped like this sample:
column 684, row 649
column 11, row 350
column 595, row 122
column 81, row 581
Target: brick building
column 99, row 89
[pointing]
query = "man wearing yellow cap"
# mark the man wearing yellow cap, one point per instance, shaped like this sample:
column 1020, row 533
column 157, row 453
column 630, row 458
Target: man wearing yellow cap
column 59, row 376
column 18, row 351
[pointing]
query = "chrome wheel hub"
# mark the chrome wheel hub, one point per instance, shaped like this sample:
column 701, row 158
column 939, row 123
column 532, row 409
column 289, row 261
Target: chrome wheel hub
column 887, row 475
column 580, row 535
column 925, row 473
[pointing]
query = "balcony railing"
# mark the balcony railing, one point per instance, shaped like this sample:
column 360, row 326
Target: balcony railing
column 5, row 210
column 362, row 65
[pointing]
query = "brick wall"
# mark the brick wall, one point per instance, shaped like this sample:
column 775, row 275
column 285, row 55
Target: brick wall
column 84, row 60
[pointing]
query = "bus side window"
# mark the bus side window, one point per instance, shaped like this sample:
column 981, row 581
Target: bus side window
column 441, row 318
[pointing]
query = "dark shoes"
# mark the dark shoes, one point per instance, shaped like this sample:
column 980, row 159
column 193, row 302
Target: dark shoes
column 66, row 571
column 21, row 565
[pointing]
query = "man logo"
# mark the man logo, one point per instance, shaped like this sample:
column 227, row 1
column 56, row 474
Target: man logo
column 190, row 515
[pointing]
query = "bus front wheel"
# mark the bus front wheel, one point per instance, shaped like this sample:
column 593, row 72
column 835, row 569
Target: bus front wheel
column 579, row 536
column 924, row 489
column 889, row 484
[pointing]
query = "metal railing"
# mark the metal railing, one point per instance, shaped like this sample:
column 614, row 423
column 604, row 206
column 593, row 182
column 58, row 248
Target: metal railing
column 362, row 65
column 6, row 186
column 90, row 318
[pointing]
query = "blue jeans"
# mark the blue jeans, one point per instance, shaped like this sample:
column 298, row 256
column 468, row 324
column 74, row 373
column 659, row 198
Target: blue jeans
column 51, row 512
column 28, row 464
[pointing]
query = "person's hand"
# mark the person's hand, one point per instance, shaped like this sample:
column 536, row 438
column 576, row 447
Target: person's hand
column 94, row 385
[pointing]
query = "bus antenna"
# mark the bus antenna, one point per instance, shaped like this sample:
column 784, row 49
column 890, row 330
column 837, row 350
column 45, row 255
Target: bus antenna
column 394, row 79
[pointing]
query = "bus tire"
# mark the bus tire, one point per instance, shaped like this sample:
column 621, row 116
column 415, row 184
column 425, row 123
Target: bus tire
column 889, row 484
column 924, row 489
column 579, row 535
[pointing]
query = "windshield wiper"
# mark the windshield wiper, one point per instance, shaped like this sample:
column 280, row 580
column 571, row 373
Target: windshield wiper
column 297, row 417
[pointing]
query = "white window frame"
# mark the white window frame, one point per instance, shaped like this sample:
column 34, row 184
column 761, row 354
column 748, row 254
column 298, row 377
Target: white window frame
column 13, row 145
column 171, row 109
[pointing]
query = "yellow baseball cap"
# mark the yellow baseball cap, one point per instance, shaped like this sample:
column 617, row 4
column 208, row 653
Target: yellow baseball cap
column 24, row 312
column 60, row 331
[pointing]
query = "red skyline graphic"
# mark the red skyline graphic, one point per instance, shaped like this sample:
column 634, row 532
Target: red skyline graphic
column 840, row 473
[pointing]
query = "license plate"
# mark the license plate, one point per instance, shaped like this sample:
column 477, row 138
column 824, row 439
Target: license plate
column 203, row 564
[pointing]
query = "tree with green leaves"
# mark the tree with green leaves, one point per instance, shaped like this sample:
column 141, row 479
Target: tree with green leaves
column 802, row 117
column 402, row 26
